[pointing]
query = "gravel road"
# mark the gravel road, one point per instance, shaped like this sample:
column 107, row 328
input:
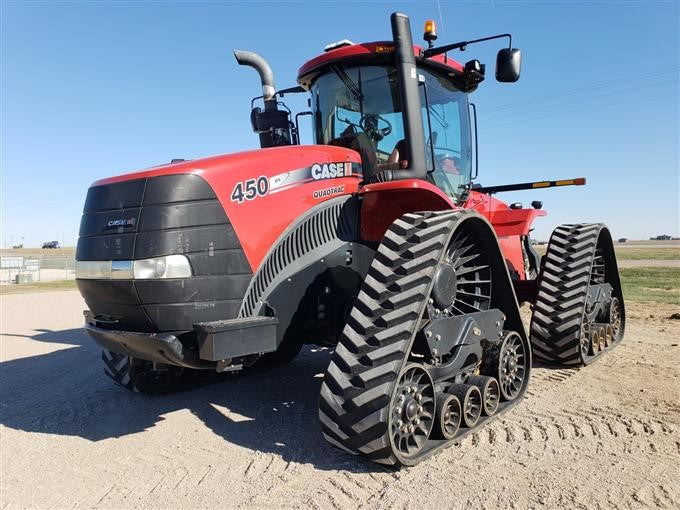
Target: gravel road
column 606, row 436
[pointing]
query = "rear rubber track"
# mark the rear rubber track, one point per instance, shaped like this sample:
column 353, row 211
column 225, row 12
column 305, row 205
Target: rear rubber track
column 558, row 321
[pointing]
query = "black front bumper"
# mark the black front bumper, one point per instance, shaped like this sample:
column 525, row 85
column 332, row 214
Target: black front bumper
column 217, row 341
column 157, row 347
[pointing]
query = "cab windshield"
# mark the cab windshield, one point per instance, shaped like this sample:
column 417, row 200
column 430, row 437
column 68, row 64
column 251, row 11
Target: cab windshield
column 359, row 107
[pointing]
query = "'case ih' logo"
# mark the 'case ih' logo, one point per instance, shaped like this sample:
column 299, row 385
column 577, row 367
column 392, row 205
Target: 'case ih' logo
column 331, row 170
column 121, row 223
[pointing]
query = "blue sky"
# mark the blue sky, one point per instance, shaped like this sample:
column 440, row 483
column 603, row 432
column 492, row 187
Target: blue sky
column 94, row 89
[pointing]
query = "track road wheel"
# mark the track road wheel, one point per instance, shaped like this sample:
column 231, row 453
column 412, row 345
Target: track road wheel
column 448, row 416
column 586, row 340
column 490, row 390
column 412, row 411
column 470, row 402
column 608, row 335
column 509, row 364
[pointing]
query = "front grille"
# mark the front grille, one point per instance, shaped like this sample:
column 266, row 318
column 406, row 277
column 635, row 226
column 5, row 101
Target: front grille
column 153, row 217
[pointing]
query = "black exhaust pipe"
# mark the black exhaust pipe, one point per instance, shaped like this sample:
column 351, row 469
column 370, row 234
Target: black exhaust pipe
column 252, row 59
column 407, row 75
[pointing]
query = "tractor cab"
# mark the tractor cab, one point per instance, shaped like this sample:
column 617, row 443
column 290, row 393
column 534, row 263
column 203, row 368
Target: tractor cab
column 358, row 106
column 403, row 108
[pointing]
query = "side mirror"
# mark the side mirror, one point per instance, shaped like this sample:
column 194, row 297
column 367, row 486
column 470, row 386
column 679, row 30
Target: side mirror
column 508, row 65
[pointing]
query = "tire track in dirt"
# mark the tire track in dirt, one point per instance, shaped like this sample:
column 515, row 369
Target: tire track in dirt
column 531, row 426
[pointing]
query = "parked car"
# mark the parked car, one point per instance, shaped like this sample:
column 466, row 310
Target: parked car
column 50, row 245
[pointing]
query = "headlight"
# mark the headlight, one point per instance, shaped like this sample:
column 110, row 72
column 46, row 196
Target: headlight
column 170, row 266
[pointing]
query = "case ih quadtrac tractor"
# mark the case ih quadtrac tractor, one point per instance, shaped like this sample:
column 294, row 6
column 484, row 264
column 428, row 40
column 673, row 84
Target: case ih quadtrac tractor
column 374, row 241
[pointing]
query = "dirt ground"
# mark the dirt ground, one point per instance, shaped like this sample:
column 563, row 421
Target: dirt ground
column 607, row 436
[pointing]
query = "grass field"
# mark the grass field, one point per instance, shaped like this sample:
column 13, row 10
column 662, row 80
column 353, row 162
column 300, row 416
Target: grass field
column 38, row 287
column 648, row 254
column 39, row 253
column 659, row 284
column 670, row 253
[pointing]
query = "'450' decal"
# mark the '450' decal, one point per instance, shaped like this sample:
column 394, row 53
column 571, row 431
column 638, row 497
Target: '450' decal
column 250, row 189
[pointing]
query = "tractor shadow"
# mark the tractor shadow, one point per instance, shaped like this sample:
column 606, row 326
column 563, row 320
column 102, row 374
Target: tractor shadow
column 65, row 392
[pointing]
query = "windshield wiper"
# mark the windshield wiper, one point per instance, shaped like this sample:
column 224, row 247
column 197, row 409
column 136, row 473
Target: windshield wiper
column 351, row 86
column 439, row 118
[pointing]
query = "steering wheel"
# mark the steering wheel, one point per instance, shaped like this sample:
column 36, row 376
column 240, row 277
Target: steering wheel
column 369, row 124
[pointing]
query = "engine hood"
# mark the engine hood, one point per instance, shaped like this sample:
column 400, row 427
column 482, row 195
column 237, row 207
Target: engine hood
column 262, row 191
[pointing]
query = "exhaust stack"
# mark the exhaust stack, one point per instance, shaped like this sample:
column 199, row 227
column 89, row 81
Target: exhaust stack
column 409, row 95
column 272, row 125
column 252, row 59
column 407, row 74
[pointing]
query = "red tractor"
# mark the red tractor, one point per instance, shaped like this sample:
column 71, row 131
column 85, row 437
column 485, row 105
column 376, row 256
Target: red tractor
column 373, row 241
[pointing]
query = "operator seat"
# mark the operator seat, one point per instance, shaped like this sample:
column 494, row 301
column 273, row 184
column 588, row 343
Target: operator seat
column 361, row 143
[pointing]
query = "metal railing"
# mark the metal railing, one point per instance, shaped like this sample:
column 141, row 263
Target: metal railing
column 36, row 268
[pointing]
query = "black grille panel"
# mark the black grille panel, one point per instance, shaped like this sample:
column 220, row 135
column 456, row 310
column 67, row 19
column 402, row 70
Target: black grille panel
column 166, row 215
column 115, row 196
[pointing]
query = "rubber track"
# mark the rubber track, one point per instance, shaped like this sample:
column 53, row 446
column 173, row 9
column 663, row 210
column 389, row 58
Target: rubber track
column 373, row 349
column 117, row 367
column 562, row 291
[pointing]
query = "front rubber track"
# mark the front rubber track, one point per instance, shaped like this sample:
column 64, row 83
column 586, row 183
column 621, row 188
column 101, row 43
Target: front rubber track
column 563, row 284
column 377, row 339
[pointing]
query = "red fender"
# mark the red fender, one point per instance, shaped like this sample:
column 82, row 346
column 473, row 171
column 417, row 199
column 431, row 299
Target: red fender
column 384, row 202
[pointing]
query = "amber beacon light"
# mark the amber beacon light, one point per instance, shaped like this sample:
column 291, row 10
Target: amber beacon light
column 430, row 32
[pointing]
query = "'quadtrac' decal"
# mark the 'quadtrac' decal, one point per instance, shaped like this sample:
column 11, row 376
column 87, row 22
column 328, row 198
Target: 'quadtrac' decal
column 323, row 193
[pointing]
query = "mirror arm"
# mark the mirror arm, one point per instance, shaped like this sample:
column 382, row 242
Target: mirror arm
column 431, row 52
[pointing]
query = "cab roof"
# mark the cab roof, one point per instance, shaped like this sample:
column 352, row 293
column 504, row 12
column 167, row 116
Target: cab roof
column 378, row 51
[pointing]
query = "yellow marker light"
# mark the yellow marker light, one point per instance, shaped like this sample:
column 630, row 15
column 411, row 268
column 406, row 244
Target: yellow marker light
column 430, row 31
column 383, row 49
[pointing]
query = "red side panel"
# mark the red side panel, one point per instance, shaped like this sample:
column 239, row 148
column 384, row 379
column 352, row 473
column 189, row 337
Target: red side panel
column 506, row 221
column 386, row 201
column 509, row 225
column 297, row 178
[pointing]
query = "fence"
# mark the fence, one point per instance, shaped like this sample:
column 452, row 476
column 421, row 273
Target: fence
column 36, row 268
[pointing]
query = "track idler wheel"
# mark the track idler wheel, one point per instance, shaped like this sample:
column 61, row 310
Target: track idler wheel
column 448, row 416
column 490, row 390
column 470, row 400
column 412, row 411
column 616, row 319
